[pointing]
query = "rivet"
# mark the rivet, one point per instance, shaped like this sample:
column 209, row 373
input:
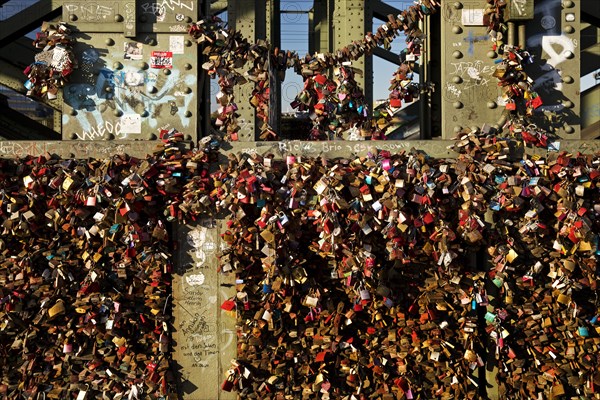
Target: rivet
column 456, row 29
column 458, row 5
column 457, row 79
column 118, row 113
column 568, row 104
column 143, row 18
column 153, row 89
column 151, row 136
column 117, row 65
column 188, row 114
column 145, row 113
column 187, row 66
column 73, row 136
column 109, row 136
column 569, row 29
column 568, row 3
column 188, row 90
column 108, row 89
column 567, row 79
column 569, row 129
column 118, row 18
column 457, row 104
column 143, row 65
column 457, row 129
column 492, row 104
column 167, row 71
column 73, row 111
column 188, row 137
column 569, row 54
column 72, row 17
column 188, row 19
column 492, row 54
column 188, row 43
column 109, row 42
column 457, row 54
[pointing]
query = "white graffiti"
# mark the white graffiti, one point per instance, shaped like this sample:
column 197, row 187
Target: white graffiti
column 90, row 11
column 195, row 280
column 453, row 90
column 101, row 129
column 178, row 28
column 519, row 5
column 160, row 8
column 177, row 5
column 198, row 240
column 471, row 68
column 473, row 73
column 566, row 46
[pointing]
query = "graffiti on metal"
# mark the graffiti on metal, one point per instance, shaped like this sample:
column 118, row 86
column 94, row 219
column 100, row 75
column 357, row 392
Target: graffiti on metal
column 92, row 11
column 121, row 91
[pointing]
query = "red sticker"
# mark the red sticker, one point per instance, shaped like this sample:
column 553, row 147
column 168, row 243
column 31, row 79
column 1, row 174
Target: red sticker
column 161, row 59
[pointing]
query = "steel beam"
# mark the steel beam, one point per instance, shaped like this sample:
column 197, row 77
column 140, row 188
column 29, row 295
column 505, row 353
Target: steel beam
column 27, row 20
column 217, row 7
column 274, row 36
column 19, row 52
column 12, row 77
column 330, row 150
column 320, row 27
column 248, row 17
column 17, row 126
column 381, row 10
column 351, row 19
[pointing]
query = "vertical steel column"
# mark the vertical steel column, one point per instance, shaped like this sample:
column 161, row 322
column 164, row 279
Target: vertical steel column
column 351, row 19
column 424, row 106
column 248, row 17
column 204, row 125
column 274, row 35
column 320, row 28
column 522, row 37
column 511, row 33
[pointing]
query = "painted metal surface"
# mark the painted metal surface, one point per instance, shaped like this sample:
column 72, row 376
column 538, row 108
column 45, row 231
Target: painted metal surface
column 327, row 149
column 205, row 336
column 137, row 70
column 470, row 94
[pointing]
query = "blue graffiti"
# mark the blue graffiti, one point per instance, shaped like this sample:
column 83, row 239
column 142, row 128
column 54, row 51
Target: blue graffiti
column 474, row 39
column 79, row 96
